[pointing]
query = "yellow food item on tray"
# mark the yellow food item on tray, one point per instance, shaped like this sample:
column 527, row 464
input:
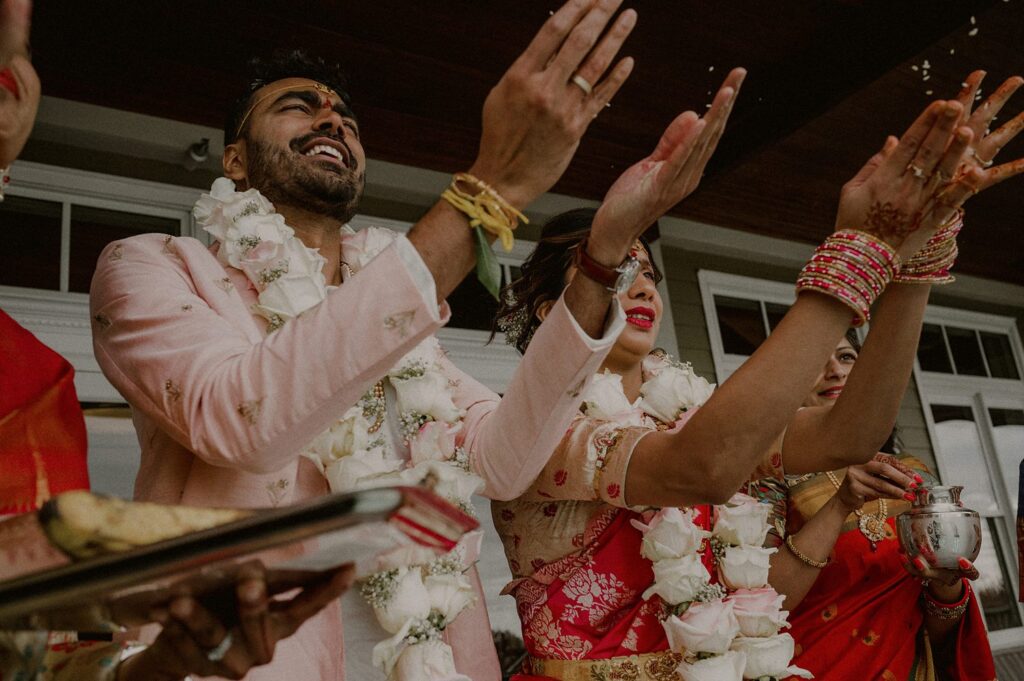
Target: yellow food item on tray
column 84, row 525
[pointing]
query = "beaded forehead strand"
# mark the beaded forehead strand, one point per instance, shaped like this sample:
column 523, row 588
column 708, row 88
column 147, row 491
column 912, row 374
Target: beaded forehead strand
column 320, row 87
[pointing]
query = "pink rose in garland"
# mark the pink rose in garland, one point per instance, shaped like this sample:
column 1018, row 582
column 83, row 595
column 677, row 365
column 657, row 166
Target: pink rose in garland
column 759, row 611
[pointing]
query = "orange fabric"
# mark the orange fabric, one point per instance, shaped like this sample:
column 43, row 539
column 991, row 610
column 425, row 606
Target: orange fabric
column 42, row 432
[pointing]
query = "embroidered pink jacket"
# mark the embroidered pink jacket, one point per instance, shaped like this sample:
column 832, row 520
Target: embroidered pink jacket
column 223, row 409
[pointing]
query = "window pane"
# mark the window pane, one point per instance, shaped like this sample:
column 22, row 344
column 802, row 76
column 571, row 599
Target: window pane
column 472, row 306
column 931, row 351
column 775, row 313
column 31, row 237
column 961, row 454
column 93, row 228
column 999, row 355
column 1008, row 436
column 993, row 584
column 963, row 343
column 740, row 324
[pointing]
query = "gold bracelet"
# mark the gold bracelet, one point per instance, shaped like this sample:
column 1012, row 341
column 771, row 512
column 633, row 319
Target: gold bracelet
column 807, row 560
column 485, row 209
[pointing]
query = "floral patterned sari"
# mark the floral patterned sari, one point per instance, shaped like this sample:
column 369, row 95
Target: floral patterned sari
column 575, row 556
column 862, row 618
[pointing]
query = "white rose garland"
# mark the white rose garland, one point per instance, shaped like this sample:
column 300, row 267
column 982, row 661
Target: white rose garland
column 417, row 598
column 725, row 631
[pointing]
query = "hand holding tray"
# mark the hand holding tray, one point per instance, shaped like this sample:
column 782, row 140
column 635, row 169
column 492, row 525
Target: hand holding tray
column 294, row 546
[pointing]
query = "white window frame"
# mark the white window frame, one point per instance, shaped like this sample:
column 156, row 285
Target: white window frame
column 735, row 286
column 980, row 394
column 61, row 318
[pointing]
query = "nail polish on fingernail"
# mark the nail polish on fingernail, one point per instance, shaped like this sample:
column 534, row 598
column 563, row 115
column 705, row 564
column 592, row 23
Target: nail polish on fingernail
column 918, row 479
column 913, row 485
column 909, row 496
column 919, row 564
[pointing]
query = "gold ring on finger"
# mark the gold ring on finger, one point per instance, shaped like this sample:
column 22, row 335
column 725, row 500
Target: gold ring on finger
column 980, row 160
column 916, row 170
column 582, row 83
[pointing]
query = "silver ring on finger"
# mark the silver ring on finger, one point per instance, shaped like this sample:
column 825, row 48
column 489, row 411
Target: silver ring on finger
column 217, row 653
column 916, row 170
column 582, row 83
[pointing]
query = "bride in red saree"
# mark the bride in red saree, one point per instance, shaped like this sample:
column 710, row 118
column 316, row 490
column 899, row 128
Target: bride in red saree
column 590, row 600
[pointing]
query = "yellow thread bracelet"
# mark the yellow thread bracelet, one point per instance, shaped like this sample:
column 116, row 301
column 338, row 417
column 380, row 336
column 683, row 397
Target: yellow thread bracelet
column 485, row 209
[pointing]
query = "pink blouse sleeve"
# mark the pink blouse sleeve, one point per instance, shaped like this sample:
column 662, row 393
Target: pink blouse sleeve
column 174, row 337
column 510, row 441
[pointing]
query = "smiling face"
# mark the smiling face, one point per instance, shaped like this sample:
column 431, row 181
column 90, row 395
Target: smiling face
column 833, row 377
column 300, row 147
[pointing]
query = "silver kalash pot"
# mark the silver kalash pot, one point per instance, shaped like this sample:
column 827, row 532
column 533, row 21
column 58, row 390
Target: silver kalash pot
column 937, row 524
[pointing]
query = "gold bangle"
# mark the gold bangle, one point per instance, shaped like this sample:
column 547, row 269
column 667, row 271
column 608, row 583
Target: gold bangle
column 486, row 209
column 807, row 560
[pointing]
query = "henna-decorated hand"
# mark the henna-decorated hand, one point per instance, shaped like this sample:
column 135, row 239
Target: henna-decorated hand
column 882, row 477
column 534, row 117
column 672, row 172
column 894, row 196
column 986, row 145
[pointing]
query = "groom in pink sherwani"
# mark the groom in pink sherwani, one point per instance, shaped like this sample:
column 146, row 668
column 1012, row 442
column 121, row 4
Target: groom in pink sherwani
column 224, row 405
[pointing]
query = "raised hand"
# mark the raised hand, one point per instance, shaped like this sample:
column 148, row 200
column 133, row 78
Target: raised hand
column 15, row 16
column 672, row 172
column 534, row 117
column 882, row 477
column 986, row 144
column 19, row 84
column 903, row 193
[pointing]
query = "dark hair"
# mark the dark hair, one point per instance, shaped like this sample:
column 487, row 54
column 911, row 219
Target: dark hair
column 853, row 339
column 282, row 64
column 543, row 273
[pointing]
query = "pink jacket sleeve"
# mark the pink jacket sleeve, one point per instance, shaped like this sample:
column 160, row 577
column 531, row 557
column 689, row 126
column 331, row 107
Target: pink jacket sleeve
column 176, row 337
column 510, row 441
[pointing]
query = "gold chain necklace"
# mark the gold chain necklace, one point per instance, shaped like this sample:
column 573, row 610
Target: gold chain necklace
column 380, row 410
column 871, row 525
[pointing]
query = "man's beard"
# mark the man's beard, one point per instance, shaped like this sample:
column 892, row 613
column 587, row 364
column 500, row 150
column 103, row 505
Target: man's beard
column 284, row 178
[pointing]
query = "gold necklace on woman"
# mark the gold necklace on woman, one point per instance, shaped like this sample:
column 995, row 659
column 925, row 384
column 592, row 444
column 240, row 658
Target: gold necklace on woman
column 871, row 525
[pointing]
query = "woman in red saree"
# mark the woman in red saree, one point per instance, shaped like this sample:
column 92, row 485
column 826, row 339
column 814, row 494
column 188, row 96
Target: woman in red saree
column 583, row 590
column 866, row 614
